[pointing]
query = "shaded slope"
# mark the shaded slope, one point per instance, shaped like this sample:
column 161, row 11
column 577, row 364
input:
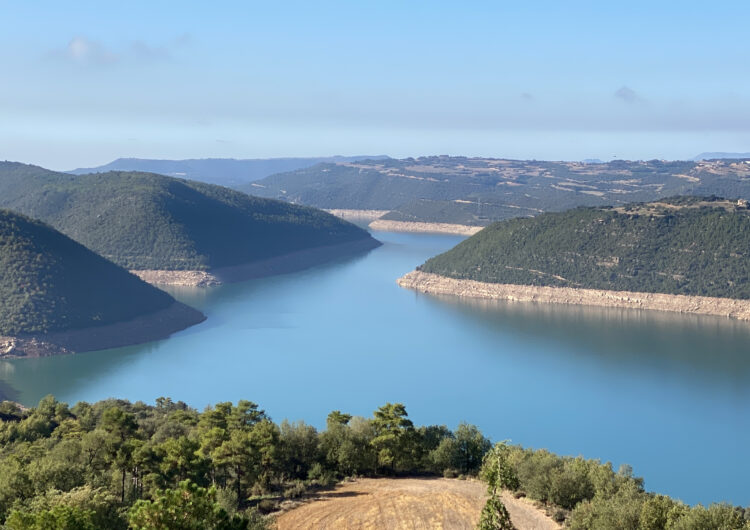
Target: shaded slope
column 149, row 221
column 50, row 283
column 683, row 245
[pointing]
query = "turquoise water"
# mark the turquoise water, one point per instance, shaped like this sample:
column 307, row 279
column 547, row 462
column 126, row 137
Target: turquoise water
column 667, row 394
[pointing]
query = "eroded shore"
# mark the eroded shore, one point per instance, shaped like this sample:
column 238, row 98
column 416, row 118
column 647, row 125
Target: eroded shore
column 424, row 228
column 284, row 264
column 145, row 328
column 701, row 305
column 385, row 225
column 357, row 215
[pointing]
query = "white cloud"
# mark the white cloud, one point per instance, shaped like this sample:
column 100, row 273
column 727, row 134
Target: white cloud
column 627, row 94
column 84, row 51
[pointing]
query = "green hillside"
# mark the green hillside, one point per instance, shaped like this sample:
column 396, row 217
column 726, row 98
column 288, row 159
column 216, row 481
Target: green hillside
column 478, row 191
column 48, row 282
column 149, row 221
column 683, row 245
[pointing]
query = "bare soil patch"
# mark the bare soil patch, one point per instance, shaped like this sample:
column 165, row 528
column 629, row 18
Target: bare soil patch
column 414, row 503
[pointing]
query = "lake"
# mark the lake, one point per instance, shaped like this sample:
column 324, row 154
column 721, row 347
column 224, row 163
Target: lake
column 665, row 393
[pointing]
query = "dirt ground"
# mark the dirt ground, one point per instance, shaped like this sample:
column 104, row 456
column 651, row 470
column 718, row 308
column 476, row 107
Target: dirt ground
column 414, row 503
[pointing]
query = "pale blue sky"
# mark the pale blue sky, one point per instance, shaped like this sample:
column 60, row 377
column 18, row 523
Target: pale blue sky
column 82, row 83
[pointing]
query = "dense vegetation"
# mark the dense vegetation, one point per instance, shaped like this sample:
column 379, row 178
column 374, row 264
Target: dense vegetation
column 49, row 282
column 149, row 221
column 678, row 246
column 587, row 494
column 112, row 462
column 115, row 464
column 450, row 189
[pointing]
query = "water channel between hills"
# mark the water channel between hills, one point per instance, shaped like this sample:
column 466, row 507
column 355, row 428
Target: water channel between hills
column 665, row 393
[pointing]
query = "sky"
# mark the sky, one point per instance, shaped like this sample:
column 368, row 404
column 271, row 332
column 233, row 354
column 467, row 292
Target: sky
column 83, row 83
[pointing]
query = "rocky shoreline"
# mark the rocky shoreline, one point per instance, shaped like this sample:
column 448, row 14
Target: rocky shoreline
column 357, row 215
column 385, row 225
column 145, row 328
column 700, row 305
column 181, row 278
column 284, row 264
column 424, row 228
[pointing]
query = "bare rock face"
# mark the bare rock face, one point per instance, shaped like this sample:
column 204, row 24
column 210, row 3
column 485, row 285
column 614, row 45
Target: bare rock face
column 31, row 346
column 181, row 278
column 701, row 305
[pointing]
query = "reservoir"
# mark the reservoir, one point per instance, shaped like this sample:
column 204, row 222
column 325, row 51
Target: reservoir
column 665, row 393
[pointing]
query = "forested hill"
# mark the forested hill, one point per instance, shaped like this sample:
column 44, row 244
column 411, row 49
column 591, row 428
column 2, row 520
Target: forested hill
column 48, row 282
column 682, row 245
column 149, row 221
column 478, row 191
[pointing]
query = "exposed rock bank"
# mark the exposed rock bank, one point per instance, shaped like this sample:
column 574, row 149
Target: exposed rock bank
column 183, row 278
column 284, row 264
column 433, row 228
column 142, row 329
column 700, row 305
column 358, row 215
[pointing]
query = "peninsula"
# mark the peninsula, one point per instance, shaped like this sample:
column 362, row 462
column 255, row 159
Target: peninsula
column 56, row 296
column 169, row 230
column 685, row 254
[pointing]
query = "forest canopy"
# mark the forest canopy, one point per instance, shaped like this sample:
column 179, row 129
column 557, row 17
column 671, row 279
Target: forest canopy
column 51, row 283
column 150, row 221
column 683, row 245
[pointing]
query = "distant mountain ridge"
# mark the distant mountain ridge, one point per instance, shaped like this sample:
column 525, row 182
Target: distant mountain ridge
column 149, row 221
column 225, row 171
column 721, row 155
column 478, row 191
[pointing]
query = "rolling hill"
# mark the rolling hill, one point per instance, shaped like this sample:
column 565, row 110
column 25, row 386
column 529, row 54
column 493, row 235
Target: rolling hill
column 148, row 221
column 49, row 284
column 479, row 191
column 683, row 245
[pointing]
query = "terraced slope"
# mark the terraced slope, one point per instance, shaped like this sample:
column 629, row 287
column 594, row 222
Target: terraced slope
column 478, row 191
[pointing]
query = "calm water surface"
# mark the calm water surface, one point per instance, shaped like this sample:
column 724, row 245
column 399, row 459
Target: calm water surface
column 667, row 394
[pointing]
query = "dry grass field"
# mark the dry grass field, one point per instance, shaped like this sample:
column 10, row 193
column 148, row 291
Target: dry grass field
column 413, row 503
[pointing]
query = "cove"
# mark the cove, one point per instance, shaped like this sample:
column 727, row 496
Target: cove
column 666, row 393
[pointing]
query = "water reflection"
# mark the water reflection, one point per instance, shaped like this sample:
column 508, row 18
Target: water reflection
column 695, row 345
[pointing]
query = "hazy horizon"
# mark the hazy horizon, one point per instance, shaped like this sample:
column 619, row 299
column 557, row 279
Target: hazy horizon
column 86, row 84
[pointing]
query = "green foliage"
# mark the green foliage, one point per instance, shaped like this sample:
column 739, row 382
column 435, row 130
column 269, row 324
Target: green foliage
column 57, row 518
column 494, row 516
column 657, row 248
column 149, row 221
column 113, row 463
column 51, row 283
column 497, row 471
column 462, row 451
column 594, row 496
column 188, row 507
column 395, row 438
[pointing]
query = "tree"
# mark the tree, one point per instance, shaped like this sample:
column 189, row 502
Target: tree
column 495, row 516
column 189, row 507
column 57, row 518
column 121, row 428
column 395, row 437
column 497, row 471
